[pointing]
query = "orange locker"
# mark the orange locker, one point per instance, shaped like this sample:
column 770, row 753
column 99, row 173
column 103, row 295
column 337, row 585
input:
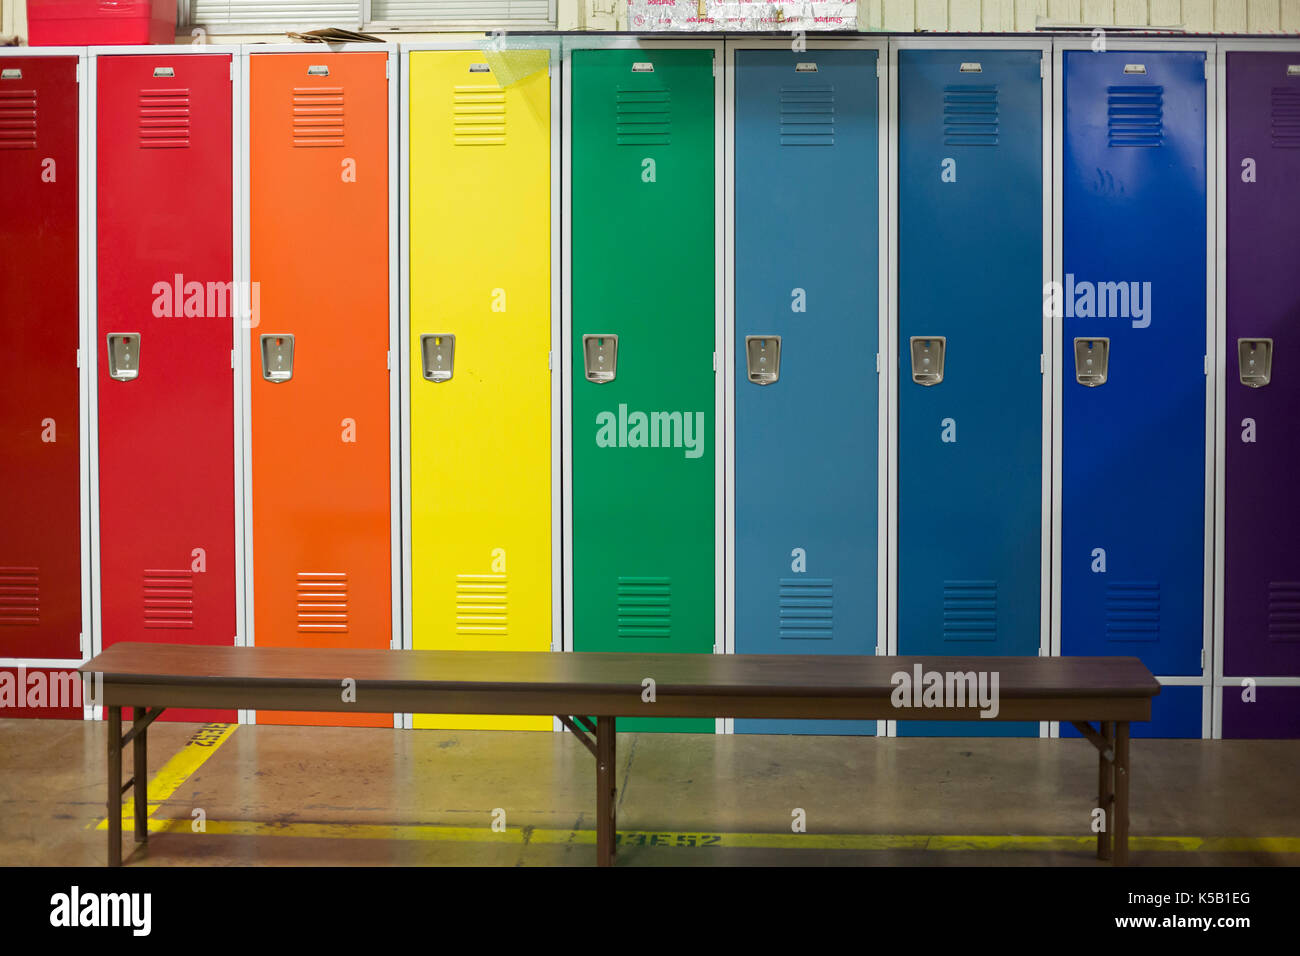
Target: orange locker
column 320, row 401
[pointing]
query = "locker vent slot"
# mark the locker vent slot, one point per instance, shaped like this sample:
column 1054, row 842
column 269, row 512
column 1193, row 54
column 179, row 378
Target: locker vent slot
column 481, row 604
column 318, row 116
column 1286, row 118
column 20, row 597
column 1284, row 610
column 1135, row 115
column 645, row 607
column 807, row 116
column 807, row 609
column 17, row 119
column 970, row 115
column 1133, row 611
column 644, row 117
column 478, row 116
column 168, row 598
column 164, row 119
column 322, row 602
column 970, row 610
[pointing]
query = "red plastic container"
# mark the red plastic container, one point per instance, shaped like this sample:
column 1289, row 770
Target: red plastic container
column 100, row 22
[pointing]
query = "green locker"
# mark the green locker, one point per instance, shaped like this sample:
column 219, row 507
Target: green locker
column 643, row 428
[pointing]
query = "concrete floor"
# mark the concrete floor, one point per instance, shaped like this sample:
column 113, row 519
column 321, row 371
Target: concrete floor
column 325, row 796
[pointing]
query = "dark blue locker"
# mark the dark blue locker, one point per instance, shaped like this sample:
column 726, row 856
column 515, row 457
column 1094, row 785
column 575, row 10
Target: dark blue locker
column 1175, row 712
column 806, row 399
column 1133, row 467
column 970, row 386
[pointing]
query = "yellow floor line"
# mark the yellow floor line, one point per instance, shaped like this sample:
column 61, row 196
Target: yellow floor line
column 202, row 745
column 209, row 738
column 773, row 841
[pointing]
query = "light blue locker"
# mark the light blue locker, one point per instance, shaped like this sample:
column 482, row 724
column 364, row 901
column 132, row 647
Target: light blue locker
column 970, row 332
column 1133, row 434
column 806, row 339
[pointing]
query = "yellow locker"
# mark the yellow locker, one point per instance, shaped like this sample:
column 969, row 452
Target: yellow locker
column 480, row 336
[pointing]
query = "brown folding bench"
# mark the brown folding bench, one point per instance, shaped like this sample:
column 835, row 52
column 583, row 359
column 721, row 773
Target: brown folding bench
column 588, row 691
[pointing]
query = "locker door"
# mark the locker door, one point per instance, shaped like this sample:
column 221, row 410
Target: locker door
column 40, row 511
column 480, row 186
column 1262, row 452
column 970, row 278
column 1273, row 715
column 643, row 419
column 164, row 334
column 1133, row 446
column 321, row 496
column 806, row 285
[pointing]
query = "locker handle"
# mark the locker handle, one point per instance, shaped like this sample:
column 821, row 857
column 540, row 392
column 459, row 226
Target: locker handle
column 277, row 357
column 123, row 356
column 763, row 358
column 600, row 357
column 438, row 355
column 928, row 352
column 1255, row 362
column 1091, row 361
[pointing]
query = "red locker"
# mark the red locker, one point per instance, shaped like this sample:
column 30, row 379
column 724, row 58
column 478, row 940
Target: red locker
column 164, row 332
column 40, row 508
column 43, row 692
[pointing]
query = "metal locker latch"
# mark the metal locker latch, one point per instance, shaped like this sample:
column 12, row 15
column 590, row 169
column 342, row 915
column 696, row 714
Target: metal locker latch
column 1255, row 357
column 1091, row 361
column 277, row 357
column 763, row 358
column 438, row 353
column 927, row 358
column 123, row 356
column 600, row 357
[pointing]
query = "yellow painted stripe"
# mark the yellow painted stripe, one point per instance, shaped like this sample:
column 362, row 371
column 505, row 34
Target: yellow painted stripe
column 202, row 745
column 775, row 841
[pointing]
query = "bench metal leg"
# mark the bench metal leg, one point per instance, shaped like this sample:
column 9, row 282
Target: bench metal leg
column 606, row 810
column 1121, row 793
column 140, row 775
column 1106, row 791
column 114, row 786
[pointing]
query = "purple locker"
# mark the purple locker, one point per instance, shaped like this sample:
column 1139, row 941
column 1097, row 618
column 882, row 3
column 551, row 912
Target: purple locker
column 1273, row 714
column 1261, row 610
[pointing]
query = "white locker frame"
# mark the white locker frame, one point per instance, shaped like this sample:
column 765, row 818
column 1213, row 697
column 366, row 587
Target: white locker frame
column 92, row 307
column 1211, row 361
column 521, row 42
column 246, row 359
column 885, row 279
column 671, row 42
column 1048, row 377
column 1219, row 681
column 85, row 361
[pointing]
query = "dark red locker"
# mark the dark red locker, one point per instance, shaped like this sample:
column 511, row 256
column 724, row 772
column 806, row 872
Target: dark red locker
column 43, row 692
column 40, row 508
column 164, row 333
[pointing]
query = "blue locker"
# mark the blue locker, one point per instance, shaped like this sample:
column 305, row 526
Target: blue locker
column 1133, row 440
column 1175, row 713
column 970, row 278
column 806, row 393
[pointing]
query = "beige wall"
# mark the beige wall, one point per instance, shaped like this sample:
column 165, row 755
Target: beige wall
column 903, row 16
column 1200, row 16
column 13, row 18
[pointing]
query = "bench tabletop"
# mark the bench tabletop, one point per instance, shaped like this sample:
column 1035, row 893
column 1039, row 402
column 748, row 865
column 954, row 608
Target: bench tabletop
column 767, row 675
